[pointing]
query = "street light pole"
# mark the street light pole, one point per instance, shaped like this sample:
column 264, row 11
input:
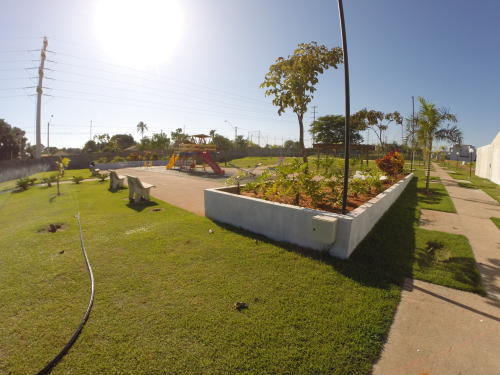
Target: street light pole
column 48, row 143
column 457, row 161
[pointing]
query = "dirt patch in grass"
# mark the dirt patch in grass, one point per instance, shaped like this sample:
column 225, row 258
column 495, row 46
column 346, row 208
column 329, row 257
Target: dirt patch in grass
column 353, row 202
column 53, row 228
column 156, row 209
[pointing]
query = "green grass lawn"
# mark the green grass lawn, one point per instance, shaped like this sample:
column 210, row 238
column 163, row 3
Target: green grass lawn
column 165, row 288
column 438, row 200
column 496, row 221
column 86, row 173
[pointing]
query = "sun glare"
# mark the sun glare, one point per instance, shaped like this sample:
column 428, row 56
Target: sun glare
column 139, row 31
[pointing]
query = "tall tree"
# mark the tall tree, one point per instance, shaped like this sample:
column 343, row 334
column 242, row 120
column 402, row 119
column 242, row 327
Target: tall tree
column 142, row 127
column 159, row 141
column 124, row 140
column 89, row 145
column 9, row 143
column 178, row 135
column 292, row 80
column 291, row 144
column 331, row 129
column 431, row 127
column 374, row 120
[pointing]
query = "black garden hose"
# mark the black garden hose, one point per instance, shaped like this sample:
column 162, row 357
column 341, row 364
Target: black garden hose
column 75, row 335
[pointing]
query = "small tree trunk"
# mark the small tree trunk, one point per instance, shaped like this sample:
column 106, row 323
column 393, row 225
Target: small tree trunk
column 58, row 193
column 428, row 168
column 301, row 139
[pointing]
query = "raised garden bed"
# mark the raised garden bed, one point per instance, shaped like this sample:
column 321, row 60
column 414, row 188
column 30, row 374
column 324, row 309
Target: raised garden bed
column 293, row 224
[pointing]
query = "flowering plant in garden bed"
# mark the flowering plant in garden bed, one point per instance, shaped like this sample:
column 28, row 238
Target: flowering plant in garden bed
column 392, row 163
column 293, row 185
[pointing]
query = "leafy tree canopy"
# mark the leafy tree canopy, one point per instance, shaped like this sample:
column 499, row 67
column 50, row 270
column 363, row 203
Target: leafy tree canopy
column 291, row 81
column 330, row 129
column 220, row 140
column 9, row 141
column 377, row 121
column 178, row 135
column 291, row 144
column 90, row 145
column 159, row 141
column 124, row 140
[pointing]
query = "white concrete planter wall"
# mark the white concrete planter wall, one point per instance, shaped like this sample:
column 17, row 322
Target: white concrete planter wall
column 292, row 224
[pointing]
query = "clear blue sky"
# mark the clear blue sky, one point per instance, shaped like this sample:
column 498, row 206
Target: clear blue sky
column 198, row 63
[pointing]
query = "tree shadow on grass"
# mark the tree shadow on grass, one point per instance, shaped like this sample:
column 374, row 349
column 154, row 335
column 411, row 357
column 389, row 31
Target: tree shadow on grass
column 383, row 259
column 434, row 198
column 141, row 206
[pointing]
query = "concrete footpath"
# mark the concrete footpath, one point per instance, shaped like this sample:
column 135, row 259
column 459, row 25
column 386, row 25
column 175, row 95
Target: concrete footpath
column 438, row 330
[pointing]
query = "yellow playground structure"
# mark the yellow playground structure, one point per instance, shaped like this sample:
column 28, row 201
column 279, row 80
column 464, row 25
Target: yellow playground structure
column 185, row 154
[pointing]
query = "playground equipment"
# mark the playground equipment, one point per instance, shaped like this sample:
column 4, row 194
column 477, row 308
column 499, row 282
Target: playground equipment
column 185, row 154
column 247, row 172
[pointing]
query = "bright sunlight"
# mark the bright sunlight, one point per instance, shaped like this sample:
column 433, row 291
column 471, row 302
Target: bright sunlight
column 139, row 31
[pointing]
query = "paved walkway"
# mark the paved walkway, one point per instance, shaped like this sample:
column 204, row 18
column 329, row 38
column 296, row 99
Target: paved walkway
column 438, row 330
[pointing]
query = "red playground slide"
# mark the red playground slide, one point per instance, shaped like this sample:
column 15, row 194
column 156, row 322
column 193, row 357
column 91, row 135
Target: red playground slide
column 212, row 163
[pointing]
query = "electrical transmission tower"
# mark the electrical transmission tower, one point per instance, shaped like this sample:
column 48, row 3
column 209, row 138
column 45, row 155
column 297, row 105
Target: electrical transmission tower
column 39, row 101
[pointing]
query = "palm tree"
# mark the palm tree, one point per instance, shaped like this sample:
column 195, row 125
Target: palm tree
column 141, row 127
column 430, row 127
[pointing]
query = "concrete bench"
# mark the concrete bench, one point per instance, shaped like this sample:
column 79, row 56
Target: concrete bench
column 115, row 180
column 140, row 189
column 95, row 171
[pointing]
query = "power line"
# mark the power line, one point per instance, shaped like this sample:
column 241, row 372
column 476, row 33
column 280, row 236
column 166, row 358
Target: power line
column 148, row 62
column 150, row 80
column 157, row 75
column 173, row 110
column 160, row 96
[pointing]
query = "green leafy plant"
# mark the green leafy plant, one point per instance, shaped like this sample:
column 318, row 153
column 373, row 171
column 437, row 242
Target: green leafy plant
column 102, row 176
column 154, row 156
column 49, row 180
column 77, row 179
column 23, row 183
column 102, row 160
column 118, row 159
column 61, row 166
column 235, row 180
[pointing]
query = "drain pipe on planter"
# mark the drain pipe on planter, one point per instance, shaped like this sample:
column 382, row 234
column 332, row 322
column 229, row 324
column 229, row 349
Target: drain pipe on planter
column 79, row 329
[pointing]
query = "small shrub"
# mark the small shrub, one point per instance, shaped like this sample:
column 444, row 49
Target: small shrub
column 102, row 160
column 134, row 157
column 392, row 163
column 32, row 181
column 77, row 179
column 154, row 157
column 147, row 155
column 49, row 180
column 23, row 183
column 102, row 176
column 118, row 159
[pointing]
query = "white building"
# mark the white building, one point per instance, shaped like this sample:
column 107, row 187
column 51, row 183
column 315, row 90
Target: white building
column 463, row 153
column 488, row 161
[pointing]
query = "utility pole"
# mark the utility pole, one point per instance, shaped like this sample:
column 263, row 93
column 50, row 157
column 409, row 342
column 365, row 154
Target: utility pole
column 39, row 91
column 235, row 133
column 48, row 139
column 90, row 129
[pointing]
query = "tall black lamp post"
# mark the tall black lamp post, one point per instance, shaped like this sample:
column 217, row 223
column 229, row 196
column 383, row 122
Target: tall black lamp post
column 347, row 108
